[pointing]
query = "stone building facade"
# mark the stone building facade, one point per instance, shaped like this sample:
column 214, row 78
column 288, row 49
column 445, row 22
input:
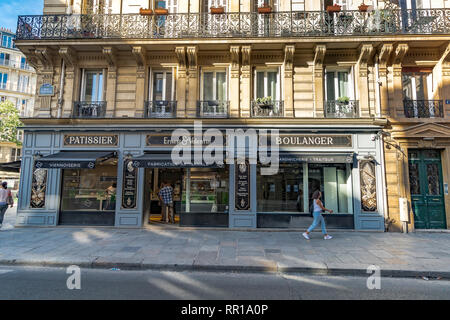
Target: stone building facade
column 335, row 84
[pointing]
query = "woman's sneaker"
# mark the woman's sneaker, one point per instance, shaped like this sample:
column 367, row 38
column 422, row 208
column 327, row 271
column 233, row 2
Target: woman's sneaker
column 327, row 237
column 305, row 235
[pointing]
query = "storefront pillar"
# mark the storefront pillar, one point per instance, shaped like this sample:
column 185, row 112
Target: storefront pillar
column 242, row 216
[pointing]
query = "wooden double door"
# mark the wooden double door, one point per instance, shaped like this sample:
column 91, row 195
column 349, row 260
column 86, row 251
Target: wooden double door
column 426, row 187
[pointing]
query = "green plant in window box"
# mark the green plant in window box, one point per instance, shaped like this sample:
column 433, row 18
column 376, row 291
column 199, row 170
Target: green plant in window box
column 343, row 100
column 265, row 102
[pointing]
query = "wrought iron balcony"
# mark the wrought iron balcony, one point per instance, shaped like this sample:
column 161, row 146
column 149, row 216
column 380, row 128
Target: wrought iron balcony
column 160, row 109
column 234, row 25
column 94, row 109
column 213, row 109
column 336, row 109
column 272, row 109
column 423, row 108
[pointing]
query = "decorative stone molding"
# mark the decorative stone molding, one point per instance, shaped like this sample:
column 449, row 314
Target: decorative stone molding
column 365, row 55
column 445, row 58
column 385, row 53
column 399, row 54
column 139, row 54
column 289, row 52
column 235, row 55
column 191, row 53
column 246, row 52
column 44, row 55
column 69, row 56
column 319, row 57
column 111, row 58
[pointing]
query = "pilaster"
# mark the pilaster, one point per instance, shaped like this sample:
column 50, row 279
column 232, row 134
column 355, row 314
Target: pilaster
column 288, row 86
column 399, row 54
column 234, row 81
column 246, row 76
column 139, row 54
column 71, row 61
column 191, row 107
column 319, row 56
column 365, row 55
column 111, row 84
column 385, row 53
column 181, row 81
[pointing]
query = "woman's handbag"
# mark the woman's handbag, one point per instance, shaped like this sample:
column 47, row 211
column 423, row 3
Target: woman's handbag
column 9, row 199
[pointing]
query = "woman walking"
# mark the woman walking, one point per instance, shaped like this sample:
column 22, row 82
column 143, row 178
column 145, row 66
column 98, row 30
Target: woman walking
column 5, row 200
column 318, row 218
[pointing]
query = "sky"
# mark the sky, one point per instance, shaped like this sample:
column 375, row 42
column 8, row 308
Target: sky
column 11, row 9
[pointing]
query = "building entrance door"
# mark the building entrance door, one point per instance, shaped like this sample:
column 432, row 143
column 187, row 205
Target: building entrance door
column 425, row 180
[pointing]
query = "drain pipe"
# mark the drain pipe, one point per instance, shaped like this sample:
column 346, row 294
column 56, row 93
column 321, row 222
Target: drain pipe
column 61, row 88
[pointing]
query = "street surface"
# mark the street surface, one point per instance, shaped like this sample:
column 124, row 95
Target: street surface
column 51, row 283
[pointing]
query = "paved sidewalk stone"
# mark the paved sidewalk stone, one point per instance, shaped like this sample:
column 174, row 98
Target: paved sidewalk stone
column 348, row 252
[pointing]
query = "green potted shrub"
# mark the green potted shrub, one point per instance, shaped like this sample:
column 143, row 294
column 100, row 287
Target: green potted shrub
column 343, row 100
column 265, row 102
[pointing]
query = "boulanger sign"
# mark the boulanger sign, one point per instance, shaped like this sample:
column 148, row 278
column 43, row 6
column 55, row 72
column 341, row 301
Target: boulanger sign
column 91, row 140
column 316, row 140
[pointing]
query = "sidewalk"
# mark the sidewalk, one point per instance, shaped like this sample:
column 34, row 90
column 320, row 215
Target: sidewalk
column 350, row 253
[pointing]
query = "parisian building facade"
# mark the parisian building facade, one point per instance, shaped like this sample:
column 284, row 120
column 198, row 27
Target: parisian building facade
column 356, row 91
column 17, row 85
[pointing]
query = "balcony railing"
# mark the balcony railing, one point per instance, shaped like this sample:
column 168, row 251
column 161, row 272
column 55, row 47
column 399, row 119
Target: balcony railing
column 213, row 109
column 94, row 109
column 336, row 109
column 273, row 109
column 423, row 108
column 160, row 109
column 234, row 25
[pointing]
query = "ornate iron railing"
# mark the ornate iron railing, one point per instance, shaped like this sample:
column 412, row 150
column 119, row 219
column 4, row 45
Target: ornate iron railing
column 213, row 109
column 273, row 109
column 234, row 25
column 160, row 109
column 336, row 109
column 423, row 108
column 94, row 109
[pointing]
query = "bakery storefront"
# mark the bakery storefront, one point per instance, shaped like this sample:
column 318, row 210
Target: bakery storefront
column 113, row 179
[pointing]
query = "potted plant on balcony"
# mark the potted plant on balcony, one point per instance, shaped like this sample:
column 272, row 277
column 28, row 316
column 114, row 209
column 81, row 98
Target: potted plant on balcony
column 265, row 8
column 333, row 8
column 363, row 7
column 145, row 12
column 343, row 100
column 161, row 11
column 265, row 102
column 217, row 10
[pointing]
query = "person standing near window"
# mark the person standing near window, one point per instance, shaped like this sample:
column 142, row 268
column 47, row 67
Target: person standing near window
column 166, row 198
column 6, row 200
column 318, row 208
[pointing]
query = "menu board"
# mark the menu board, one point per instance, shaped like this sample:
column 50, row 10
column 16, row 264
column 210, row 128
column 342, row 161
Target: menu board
column 242, row 187
column 129, row 185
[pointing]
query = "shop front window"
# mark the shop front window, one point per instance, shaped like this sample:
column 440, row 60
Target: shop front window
column 285, row 191
column 90, row 189
column 205, row 190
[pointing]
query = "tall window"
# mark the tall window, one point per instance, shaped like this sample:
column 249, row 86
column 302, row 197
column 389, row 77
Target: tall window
column 267, row 84
column 339, row 84
column 170, row 5
column 7, row 41
column 214, row 85
column 162, row 86
column 415, row 4
column 92, row 86
column 4, row 58
column 15, row 154
column 417, row 85
column 3, row 80
column 22, row 83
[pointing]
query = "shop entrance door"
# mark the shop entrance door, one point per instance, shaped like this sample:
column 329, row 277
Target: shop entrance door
column 425, row 180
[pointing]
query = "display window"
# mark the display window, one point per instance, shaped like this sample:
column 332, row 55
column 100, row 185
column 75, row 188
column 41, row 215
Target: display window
column 90, row 189
column 285, row 191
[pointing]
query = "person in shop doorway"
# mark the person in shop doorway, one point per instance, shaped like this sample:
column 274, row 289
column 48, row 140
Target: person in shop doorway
column 166, row 198
column 318, row 208
column 6, row 200
column 111, row 196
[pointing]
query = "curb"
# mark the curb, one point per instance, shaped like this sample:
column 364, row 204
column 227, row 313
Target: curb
column 139, row 266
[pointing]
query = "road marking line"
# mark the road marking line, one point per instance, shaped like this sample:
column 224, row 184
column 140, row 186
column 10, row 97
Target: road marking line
column 5, row 271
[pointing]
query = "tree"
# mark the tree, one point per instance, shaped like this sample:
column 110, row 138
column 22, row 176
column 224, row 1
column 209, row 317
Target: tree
column 9, row 122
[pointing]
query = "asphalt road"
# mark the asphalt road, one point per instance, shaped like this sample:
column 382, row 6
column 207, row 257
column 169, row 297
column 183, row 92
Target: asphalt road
column 51, row 283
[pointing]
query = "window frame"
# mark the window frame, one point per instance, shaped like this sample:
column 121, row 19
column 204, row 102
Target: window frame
column 266, row 70
column 83, row 84
column 214, row 70
column 152, row 73
column 351, row 82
